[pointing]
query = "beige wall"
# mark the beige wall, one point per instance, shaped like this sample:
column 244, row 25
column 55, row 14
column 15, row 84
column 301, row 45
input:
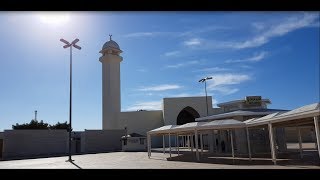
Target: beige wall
column 94, row 141
column 173, row 106
column 33, row 143
column 133, row 144
column 140, row 121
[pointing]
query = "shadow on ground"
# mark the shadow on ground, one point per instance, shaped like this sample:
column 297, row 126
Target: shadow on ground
column 72, row 162
column 284, row 159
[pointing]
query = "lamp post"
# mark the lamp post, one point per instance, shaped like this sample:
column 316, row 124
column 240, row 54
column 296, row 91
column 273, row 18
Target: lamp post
column 73, row 43
column 205, row 88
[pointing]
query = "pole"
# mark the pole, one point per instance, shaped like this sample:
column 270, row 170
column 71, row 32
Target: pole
column 205, row 87
column 35, row 115
column 70, row 105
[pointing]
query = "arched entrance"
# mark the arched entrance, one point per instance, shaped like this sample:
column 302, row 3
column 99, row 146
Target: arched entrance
column 186, row 115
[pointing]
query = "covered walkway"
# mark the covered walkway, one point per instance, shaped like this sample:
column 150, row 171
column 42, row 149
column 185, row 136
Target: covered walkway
column 189, row 137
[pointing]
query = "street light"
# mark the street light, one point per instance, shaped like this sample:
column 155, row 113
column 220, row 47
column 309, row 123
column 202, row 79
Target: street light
column 73, row 43
column 205, row 87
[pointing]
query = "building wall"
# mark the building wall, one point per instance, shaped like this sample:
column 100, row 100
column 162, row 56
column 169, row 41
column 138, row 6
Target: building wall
column 34, row 143
column 133, row 144
column 173, row 106
column 96, row 141
column 140, row 121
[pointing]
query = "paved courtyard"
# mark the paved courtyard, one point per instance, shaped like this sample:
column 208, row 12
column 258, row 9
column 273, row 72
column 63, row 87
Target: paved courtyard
column 130, row 160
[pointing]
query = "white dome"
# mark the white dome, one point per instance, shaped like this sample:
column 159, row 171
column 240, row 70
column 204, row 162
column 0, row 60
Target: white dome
column 111, row 44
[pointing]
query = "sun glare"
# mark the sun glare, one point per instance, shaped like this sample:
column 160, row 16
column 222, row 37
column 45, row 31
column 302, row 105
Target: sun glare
column 56, row 19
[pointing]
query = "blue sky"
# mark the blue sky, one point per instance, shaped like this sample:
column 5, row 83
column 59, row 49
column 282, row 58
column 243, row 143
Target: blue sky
column 272, row 54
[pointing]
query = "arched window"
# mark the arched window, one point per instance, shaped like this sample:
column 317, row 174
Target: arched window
column 186, row 115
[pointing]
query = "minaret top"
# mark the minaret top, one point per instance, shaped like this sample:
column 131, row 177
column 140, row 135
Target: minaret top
column 111, row 46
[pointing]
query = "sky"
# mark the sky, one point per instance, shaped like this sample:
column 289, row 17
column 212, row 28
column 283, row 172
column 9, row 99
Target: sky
column 271, row 54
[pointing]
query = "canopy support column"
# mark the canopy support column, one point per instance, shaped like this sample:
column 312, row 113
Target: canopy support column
column 149, row 145
column 300, row 142
column 316, row 127
column 178, row 143
column 170, row 145
column 232, row 149
column 163, row 144
column 201, row 143
column 214, row 142
column 196, row 137
column 271, row 138
column 191, row 139
column 248, row 141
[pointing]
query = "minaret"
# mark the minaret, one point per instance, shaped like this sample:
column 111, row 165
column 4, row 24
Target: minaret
column 111, row 99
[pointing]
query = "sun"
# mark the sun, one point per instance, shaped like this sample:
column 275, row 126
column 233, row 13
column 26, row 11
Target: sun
column 54, row 18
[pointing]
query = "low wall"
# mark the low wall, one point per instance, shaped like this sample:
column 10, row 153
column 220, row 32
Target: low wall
column 19, row 144
column 96, row 141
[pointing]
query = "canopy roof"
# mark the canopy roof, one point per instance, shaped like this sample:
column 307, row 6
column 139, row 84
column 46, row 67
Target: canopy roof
column 223, row 124
column 302, row 113
column 307, row 111
column 163, row 129
column 244, row 112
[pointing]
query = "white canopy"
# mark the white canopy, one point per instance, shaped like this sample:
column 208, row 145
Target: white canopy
column 307, row 111
column 187, row 127
column 163, row 129
column 222, row 124
column 248, row 112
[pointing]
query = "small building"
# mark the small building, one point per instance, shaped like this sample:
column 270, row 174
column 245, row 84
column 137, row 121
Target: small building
column 134, row 142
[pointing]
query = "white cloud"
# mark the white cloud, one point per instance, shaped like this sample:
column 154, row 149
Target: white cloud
column 227, row 79
column 224, row 90
column 259, row 26
column 162, row 87
column 254, row 58
column 142, row 70
column 222, row 82
column 150, row 34
column 214, row 102
column 279, row 29
column 140, row 34
column 213, row 69
column 172, row 53
column 266, row 33
column 203, row 29
column 182, row 64
column 246, row 67
column 192, row 42
column 150, row 105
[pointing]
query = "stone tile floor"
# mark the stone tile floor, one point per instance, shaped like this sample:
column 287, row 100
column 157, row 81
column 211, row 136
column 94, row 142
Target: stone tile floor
column 140, row 160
